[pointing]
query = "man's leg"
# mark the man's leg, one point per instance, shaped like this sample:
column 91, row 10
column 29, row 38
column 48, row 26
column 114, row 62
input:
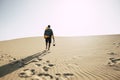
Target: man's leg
column 49, row 46
column 46, row 43
column 49, row 43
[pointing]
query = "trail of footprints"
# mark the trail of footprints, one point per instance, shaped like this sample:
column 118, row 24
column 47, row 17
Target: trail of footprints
column 42, row 72
column 113, row 61
column 6, row 58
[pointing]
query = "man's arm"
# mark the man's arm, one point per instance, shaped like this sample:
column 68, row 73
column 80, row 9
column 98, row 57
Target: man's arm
column 53, row 36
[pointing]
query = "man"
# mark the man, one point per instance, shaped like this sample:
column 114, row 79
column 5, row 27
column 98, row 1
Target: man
column 48, row 34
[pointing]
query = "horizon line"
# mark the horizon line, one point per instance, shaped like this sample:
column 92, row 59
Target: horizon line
column 61, row 36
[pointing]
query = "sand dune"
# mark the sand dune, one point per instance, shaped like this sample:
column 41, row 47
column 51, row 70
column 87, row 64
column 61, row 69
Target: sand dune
column 73, row 58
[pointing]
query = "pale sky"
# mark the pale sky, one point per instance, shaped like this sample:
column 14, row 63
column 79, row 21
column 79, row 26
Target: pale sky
column 27, row 18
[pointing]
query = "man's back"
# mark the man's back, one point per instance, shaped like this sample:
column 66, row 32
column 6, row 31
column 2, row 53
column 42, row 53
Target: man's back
column 48, row 32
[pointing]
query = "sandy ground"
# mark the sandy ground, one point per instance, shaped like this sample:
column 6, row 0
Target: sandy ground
column 73, row 58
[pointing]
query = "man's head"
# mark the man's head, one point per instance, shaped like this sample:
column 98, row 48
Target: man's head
column 48, row 26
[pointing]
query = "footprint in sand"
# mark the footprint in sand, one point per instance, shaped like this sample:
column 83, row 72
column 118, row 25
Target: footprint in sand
column 45, row 68
column 48, row 61
column 67, row 74
column 58, row 74
column 39, row 58
column 51, row 65
column 113, row 61
column 45, row 75
column 27, row 73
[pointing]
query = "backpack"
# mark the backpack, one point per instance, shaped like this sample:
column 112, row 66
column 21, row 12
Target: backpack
column 48, row 33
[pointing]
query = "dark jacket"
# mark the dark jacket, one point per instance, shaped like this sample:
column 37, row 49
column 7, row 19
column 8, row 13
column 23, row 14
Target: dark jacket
column 48, row 32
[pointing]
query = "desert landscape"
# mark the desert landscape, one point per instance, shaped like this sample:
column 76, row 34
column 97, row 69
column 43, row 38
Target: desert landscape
column 73, row 58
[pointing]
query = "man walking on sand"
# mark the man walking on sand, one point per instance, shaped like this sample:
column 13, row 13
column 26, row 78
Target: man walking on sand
column 48, row 34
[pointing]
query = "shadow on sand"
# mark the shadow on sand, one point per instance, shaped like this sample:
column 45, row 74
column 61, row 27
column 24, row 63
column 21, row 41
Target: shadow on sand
column 11, row 67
